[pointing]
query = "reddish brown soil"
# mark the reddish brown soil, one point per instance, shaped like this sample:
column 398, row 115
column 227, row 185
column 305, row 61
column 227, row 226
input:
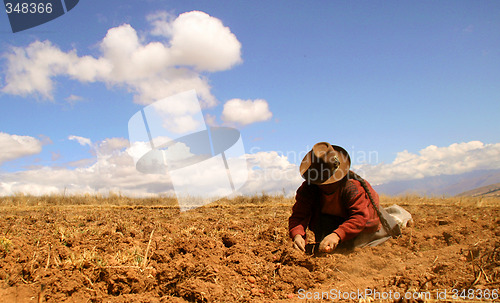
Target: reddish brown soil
column 231, row 254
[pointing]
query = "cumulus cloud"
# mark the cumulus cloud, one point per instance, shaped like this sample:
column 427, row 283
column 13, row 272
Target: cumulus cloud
column 14, row 146
column 203, row 42
column 112, row 145
column 195, row 43
column 198, row 40
column 457, row 158
column 271, row 173
column 30, row 69
column 246, row 111
column 112, row 170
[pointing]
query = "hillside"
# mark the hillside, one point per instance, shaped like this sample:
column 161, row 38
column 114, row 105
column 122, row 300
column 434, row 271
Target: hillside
column 492, row 190
column 448, row 185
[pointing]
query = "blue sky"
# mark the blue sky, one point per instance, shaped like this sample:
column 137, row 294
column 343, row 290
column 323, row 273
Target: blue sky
column 414, row 85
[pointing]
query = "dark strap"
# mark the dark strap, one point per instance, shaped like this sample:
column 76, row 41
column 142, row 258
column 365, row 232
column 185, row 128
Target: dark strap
column 395, row 231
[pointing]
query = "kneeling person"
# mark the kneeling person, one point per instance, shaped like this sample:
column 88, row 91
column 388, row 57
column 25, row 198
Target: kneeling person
column 337, row 205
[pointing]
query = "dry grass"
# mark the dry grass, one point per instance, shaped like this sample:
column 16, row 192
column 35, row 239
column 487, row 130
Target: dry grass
column 441, row 200
column 20, row 201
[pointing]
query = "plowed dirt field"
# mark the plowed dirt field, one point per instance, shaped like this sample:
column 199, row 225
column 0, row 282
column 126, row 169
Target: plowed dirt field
column 239, row 251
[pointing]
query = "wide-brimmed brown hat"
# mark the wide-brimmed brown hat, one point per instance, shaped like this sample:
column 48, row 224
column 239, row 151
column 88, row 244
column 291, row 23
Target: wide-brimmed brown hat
column 325, row 164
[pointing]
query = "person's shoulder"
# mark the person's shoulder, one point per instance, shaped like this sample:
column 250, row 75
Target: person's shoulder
column 307, row 190
column 351, row 188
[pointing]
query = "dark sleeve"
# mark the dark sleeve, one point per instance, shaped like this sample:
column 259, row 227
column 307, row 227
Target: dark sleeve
column 301, row 211
column 357, row 205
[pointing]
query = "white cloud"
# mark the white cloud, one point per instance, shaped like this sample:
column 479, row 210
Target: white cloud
column 162, row 23
column 113, row 169
column 457, row 158
column 196, row 43
column 30, row 69
column 177, row 152
column 73, row 99
column 203, row 42
column 81, row 140
column 13, row 146
column 198, row 40
column 179, row 114
column 81, row 163
column 112, row 145
column 271, row 173
column 246, row 112
column 211, row 120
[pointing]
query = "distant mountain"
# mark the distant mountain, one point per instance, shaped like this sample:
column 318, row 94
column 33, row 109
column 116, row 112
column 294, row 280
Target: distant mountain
column 492, row 190
column 448, row 185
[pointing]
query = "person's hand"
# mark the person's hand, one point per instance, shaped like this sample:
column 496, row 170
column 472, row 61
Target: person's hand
column 299, row 243
column 329, row 243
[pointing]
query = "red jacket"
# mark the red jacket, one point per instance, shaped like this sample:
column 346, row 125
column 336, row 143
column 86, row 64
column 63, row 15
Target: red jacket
column 349, row 201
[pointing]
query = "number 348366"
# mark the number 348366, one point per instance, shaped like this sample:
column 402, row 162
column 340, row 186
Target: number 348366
column 28, row 8
column 473, row 294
